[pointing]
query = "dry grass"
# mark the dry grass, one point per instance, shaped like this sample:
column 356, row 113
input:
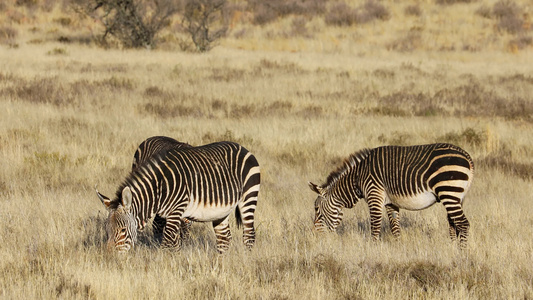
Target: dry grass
column 73, row 119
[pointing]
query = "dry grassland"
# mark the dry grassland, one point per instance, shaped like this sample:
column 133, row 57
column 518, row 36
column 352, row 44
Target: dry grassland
column 72, row 118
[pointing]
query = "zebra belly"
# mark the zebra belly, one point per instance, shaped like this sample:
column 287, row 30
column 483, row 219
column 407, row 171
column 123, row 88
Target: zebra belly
column 413, row 202
column 199, row 212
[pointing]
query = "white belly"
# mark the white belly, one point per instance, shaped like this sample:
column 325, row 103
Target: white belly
column 416, row 202
column 206, row 214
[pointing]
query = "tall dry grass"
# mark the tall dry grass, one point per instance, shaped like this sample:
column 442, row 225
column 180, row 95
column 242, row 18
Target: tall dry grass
column 72, row 121
column 72, row 116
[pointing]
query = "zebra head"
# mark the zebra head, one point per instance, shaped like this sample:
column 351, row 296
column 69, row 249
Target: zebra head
column 328, row 213
column 121, row 225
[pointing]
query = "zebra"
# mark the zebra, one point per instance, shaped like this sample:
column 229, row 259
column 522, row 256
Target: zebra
column 202, row 184
column 147, row 149
column 394, row 178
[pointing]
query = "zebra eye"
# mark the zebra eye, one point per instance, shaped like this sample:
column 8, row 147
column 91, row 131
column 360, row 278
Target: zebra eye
column 123, row 231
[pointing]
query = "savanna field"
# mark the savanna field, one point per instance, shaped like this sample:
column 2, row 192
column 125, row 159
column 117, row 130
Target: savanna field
column 301, row 88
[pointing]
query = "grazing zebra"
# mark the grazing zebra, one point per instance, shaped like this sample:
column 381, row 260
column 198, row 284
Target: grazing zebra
column 146, row 150
column 394, row 177
column 197, row 183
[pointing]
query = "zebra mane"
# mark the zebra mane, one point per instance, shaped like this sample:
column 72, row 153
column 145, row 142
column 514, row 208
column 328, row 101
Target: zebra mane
column 131, row 178
column 349, row 163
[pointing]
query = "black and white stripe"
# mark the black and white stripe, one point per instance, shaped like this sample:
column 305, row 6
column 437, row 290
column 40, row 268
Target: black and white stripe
column 153, row 145
column 394, row 178
column 146, row 150
column 202, row 184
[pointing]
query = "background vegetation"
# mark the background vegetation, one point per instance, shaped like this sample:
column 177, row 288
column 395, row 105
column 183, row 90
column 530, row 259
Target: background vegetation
column 301, row 84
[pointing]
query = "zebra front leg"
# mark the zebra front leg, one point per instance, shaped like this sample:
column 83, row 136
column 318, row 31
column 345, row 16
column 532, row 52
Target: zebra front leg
column 393, row 212
column 158, row 225
column 223, row 234
column 172, row 234
column 376, row 215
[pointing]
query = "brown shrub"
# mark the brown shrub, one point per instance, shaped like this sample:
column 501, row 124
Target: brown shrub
column 413, row 10
column 468, row 136
column 267, row 11
column 227, row 74
column 509, row 16
column 372, row 10
column 205, row 21
column 521, row 42
column 409, row 42
column 170, row 110
column 504, row 163
column 341, row 14
column 40, row 91
column 449, row 2
column 8, row 35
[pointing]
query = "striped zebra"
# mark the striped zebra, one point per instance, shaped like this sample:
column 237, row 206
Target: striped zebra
column 202, row 184
column 394, row 178
column 146, row 150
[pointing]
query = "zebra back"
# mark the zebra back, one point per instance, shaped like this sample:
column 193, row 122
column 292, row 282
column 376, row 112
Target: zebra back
column 154, row 145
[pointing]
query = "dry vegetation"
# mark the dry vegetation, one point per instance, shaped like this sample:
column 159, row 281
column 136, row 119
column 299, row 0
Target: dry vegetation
column 301, row 94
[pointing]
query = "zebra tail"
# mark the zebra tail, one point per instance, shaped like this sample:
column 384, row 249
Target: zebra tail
column 238, row 217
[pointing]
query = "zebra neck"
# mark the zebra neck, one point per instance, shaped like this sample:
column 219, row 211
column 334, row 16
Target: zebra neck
column 345, row 191
column 144, row 204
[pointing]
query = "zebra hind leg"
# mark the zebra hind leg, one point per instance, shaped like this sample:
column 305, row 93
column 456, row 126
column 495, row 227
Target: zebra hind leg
column 245, row 217
column 458, row 222
column 185, row 232
column 223, row 234
column 453, row 230
column 393, row 212
column 462, row 226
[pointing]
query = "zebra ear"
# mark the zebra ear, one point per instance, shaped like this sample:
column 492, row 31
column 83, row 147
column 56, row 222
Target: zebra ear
column 126, row 198
column 315, row 188
column 105, row 201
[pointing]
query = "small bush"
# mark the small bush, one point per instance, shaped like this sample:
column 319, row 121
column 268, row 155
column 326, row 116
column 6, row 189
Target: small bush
column 227, row 74
column 57, row 51
column 521, row 42
column 134, row 23
column 469, row 136
column 116, row 83
column 484, row 11
column 299, row 28
column 341, row 14
column 204, row 20
column 396, row 138
column 39, row 91
column 413, row 10
column 450, row 2
column 63, row 21
column 410, row 42
column 509, row 16
column 504, row 163
column 169, row 111
column 8, row 35
column 372, row 10
column 267, row 11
